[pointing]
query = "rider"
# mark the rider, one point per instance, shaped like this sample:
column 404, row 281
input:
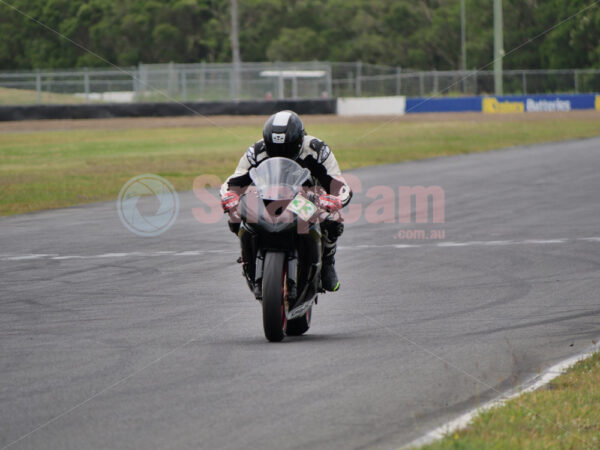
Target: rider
column 284, row 136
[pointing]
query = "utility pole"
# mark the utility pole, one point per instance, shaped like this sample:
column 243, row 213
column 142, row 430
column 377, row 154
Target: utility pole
column 463, row 44
column 235, row 48
column 463, row 37
column 498, row 46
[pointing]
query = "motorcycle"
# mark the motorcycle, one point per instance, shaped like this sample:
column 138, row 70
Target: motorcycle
column 281, row 245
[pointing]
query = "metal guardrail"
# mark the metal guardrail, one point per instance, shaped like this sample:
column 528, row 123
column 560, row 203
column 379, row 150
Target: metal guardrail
column 253, row 81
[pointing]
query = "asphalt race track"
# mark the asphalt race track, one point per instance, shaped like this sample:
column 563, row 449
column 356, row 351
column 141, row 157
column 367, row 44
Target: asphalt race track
column 110, row 340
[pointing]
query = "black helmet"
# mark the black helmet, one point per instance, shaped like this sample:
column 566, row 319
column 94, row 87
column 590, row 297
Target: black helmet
column 283, row 134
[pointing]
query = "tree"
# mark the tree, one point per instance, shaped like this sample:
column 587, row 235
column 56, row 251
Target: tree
column 419, row 34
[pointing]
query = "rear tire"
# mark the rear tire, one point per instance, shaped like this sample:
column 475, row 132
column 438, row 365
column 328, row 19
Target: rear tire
column 273, row 280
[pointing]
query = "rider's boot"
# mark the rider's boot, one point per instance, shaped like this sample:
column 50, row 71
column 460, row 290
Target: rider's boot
column 332, row 230
column 329, row 278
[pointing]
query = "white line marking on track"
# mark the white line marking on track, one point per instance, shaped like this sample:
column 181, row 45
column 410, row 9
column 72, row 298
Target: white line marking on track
column 498, row 243
column 113, row 255
column 173, row 253
column 68, row 257
column 455, row 244
column 26, row 257
column 532, row 384
column 545, row 241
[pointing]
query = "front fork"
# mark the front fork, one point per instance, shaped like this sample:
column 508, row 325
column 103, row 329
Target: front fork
column 253, row 261
column 291, row 277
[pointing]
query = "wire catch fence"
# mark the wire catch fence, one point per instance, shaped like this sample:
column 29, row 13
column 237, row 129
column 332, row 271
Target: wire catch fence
column 254, row 81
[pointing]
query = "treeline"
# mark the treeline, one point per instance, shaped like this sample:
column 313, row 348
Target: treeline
column 423, row 34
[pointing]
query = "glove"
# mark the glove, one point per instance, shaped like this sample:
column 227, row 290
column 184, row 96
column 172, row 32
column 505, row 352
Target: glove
column 330, row 202
column 229, row 201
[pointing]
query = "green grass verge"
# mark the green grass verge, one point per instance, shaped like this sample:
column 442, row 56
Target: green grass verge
column 27, row 97
column 563, row 415
column 42, row 170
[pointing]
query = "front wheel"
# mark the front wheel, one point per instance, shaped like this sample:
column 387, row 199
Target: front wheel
column 273, row 282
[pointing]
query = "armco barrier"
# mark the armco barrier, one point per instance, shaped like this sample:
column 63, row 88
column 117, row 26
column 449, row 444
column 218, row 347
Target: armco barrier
column 501, row 104
column 505, row 104
column 99, row 111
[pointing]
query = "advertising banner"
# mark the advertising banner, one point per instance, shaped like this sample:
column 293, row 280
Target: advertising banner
column 505, row 104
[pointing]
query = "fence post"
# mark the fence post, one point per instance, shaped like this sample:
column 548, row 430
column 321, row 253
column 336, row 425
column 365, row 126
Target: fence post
column 171, row 80
column 436, row 82
column 421, row 84
column 135, row 76
column 357, row 85
column 398, row 80
column 183, row 83
column 329, row 82
column 202, row 79
column 294, row 87
column 86, row 84
column 280, row 87
column 232, row 93
column 524, row 75
column 576, row 81
column 475, row 81
column 349, row 78
column 142, row 81
column 38, row 86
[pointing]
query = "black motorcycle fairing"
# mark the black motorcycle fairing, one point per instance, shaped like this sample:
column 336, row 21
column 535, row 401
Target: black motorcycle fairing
column 270, row 215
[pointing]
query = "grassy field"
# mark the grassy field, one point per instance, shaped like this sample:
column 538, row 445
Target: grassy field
column 51, row 169
column 563, row 415
column 29, row 97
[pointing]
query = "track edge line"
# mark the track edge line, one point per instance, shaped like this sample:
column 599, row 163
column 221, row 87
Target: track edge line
column 533, row 384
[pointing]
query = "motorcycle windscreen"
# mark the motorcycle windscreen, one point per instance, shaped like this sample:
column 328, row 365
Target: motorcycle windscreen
column 278, row 178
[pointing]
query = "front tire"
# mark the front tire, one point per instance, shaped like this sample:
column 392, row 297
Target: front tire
column 274, row 321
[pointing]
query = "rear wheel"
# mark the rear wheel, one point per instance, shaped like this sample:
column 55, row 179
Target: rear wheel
column 273, row 281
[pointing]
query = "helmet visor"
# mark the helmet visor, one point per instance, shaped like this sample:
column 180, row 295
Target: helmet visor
column 288, row 150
